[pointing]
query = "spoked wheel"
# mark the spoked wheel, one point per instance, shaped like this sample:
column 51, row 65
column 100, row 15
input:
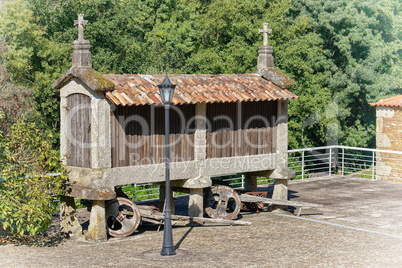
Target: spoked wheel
column 122, row 217
column 224, row 203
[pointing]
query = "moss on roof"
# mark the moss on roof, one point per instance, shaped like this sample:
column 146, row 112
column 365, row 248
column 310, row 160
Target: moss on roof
column 277, row 78
column 90, row 77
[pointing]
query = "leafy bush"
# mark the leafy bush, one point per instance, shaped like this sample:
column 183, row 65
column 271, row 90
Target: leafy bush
column 26, row 197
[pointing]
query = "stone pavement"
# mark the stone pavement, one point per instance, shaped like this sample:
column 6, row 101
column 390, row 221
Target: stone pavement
column 359, row 226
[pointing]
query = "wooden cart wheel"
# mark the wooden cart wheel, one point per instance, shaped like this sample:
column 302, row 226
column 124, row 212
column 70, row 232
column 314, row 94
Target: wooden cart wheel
column 224, row 203
column 122, row 217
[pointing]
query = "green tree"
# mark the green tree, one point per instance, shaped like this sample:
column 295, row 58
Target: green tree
column 26, row 197
column 362, row 40
column 31, row 59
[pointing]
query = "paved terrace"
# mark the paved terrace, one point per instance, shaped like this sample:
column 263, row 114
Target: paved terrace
column 360, row 225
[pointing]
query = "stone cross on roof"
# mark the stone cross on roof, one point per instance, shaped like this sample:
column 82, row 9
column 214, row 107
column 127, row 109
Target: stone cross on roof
column 81, row 23
column 265, row 31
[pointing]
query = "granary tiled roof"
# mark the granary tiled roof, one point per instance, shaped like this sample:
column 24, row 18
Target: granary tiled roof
column 395, row 101
column 196, row 88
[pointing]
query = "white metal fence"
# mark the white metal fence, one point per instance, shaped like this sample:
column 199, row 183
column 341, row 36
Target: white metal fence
column 344, row 160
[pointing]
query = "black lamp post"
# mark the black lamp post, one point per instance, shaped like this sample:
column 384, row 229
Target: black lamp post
column 166, row 90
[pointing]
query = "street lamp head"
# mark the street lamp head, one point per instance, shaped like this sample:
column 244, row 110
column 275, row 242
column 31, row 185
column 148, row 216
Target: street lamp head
column 166, row 90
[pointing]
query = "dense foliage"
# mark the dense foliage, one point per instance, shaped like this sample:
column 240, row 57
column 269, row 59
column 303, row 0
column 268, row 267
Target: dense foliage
column 26, row 197
column 362, row 42
column 342, row 54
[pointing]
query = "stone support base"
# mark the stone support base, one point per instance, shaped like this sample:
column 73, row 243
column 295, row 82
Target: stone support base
column 162, row 197
column 250, row 183
column 68, row 217
column 280, row 189
column 97, row 222
column 280, row 192
column 196, row 203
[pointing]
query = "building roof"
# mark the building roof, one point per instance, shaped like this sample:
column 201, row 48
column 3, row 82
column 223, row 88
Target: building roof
column 395, row 101
column 93, row 79
column 195, row 88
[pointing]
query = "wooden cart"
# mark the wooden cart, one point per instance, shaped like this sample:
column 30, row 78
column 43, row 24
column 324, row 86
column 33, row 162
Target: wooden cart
column 223, row 205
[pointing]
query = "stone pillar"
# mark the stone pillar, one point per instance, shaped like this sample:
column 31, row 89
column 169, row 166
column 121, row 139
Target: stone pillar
column 68, row 217
column 200, row 136
column 196, row 203
column 162, row 197
column 101, row 150
column 265, row 58
column 250, row 183
column 63, row 127
column 280, row 189
column 82, row 56
column 282, row 174
column 282, row 134
column 97, row 223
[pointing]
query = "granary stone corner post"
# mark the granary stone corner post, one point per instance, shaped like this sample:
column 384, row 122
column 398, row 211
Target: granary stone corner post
column 85, row 141
column 196, row 185
column 265, row 67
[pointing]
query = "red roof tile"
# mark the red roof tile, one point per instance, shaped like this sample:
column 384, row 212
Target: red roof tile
column 194, row 88
column 395, row 101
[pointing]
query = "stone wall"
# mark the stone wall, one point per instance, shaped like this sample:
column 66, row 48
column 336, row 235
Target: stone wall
column 389, row 137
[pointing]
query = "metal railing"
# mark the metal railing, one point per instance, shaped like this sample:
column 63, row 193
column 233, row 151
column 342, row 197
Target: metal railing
column 139, row 192
column 237, row 181
column 344, row 160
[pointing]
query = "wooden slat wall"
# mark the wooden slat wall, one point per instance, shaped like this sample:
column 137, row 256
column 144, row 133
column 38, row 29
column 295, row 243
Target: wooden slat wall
column 248, row 131
column 79, row 131
column 138, row 135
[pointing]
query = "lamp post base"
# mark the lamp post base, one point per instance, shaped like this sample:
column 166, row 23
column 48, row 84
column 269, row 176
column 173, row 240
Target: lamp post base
column 168, row 252
column 156, row 254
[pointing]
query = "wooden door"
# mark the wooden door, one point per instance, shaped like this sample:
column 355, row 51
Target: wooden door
column 78, row 131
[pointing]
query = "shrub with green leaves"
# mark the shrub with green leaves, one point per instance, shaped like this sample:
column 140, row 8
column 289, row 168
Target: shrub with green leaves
column 26, row 196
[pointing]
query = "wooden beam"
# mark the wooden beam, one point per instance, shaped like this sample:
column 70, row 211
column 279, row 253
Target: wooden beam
column 258, row 199
column 146, row 213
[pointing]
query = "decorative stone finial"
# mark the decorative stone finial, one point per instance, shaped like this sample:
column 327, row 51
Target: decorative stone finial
column 265, row 31
column 81, row 56
column 81, row 23
column 265, row 58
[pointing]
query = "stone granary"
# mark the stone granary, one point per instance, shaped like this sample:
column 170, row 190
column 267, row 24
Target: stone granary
column 389, row 137
column 112, row 131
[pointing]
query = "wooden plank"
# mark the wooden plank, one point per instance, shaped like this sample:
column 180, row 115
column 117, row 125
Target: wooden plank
column 121, row 142
column 146, row 213
column 209, row 154
column 113, row 136
column 260, row 140
column 87, row 132
column 254, row 141
column 258, row 199
column 224, row 147
column 267, row 142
